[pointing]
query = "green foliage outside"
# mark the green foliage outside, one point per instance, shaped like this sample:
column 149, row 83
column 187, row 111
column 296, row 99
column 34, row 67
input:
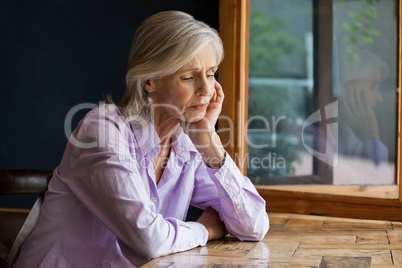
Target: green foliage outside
column 269, row 43
column 359, row 26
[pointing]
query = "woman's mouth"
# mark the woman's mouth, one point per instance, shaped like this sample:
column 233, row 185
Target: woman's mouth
column 200, row 107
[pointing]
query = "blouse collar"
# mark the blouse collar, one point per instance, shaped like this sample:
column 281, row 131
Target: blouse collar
column 149, row 143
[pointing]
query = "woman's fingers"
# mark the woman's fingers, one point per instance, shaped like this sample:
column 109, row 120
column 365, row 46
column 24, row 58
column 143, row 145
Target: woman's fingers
column 219, row 96
column 212, row 222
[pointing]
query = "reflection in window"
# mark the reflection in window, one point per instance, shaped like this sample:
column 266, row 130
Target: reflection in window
column 297, row 127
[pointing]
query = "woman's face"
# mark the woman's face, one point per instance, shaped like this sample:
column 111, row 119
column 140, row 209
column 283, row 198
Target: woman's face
column 185, row 95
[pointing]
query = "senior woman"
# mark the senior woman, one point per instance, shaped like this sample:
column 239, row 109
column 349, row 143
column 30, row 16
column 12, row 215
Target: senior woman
column 130, row 171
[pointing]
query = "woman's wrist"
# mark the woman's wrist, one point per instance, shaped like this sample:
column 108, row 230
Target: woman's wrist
column 212, row 151
column 209, row 145
column 214, row 162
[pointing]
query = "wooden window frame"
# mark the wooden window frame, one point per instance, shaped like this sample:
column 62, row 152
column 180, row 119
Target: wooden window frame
column 365, row 202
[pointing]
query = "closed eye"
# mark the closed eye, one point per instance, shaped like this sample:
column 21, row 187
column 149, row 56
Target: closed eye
column 212, row 74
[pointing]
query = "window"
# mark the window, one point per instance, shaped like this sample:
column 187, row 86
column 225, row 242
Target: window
column 310, row 90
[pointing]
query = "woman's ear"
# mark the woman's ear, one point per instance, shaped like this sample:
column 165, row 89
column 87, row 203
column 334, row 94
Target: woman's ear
column 149, row 86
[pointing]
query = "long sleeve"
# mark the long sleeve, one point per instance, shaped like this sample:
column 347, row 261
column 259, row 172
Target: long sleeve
column 106, row 179
column 233, row 195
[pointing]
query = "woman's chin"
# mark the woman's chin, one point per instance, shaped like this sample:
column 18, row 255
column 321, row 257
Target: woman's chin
column 195, row 118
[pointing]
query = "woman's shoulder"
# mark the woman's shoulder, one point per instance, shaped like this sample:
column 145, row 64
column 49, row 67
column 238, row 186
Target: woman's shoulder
column 107, row 120
column 104, row 114
column 103, row 129
column 104, row 110
column 111, row 113
column 103, row 119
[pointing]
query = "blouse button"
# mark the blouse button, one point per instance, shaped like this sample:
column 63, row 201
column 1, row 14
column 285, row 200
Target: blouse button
column 154, row 199
column 238, row 207
column 227, row 181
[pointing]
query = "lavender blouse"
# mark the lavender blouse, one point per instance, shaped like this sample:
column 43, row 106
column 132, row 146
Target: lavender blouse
column 104, row 209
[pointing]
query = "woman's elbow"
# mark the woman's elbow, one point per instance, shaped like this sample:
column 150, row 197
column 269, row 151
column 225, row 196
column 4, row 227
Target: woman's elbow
column 155, row 248
column 262, row 232
column 153, row 253
column 264, row 227
column 149, row 247
column 256, row 232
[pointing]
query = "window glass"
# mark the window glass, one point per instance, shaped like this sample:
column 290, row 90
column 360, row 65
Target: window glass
column 297, row 128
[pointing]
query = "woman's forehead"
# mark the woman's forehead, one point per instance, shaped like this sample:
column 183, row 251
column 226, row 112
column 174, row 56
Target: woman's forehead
column 206, row 58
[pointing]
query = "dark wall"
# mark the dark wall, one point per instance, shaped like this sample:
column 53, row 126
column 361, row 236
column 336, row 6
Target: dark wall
column 58, row 54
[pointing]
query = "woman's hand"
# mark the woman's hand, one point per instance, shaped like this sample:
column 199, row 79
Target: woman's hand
column 215, row 107
column 212, row 222
column 203, row 135
column 213, row 111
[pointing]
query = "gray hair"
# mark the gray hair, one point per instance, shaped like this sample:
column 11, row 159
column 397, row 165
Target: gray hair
column 163, row 44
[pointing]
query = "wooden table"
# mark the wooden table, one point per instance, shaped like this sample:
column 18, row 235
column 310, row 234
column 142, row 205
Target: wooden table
column 301, row 241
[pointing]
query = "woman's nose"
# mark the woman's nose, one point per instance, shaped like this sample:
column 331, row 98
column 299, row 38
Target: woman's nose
column 205, row 88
